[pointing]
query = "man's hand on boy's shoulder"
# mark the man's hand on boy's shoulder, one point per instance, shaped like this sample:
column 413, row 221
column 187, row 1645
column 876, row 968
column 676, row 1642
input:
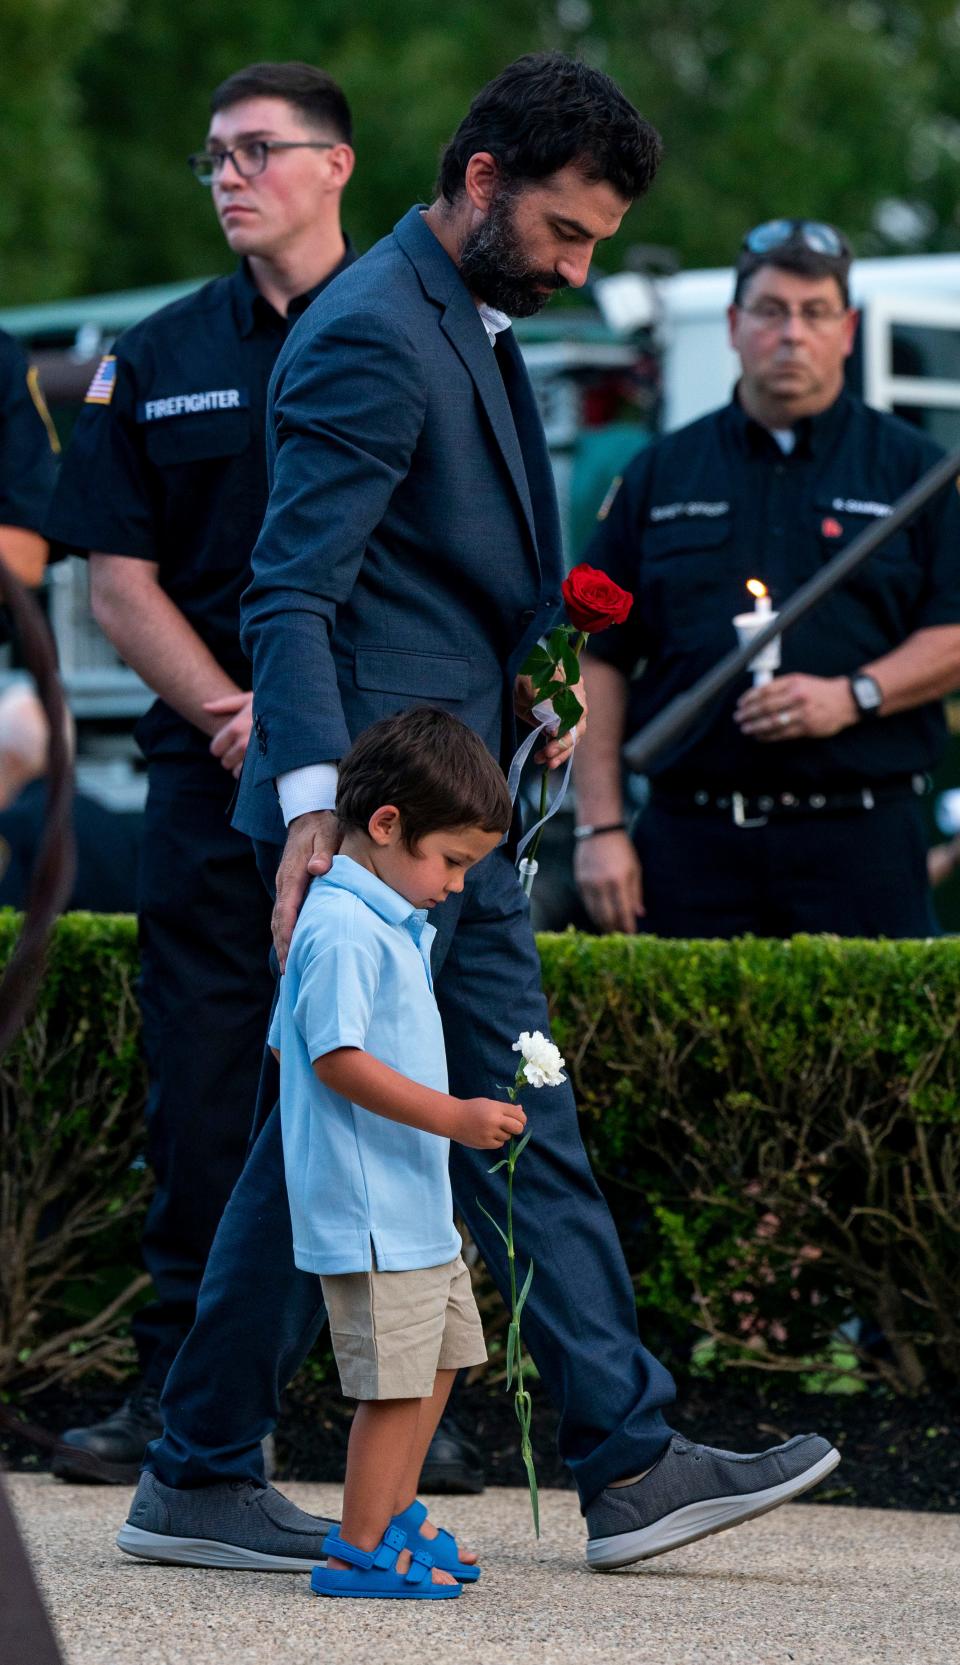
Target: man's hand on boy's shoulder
column 486, row 1123
column 312, row 842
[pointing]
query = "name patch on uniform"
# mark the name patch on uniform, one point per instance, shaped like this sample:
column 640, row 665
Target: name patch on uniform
column 859, row 506
column 688, row 511
column 100, row 391
column 191, row 404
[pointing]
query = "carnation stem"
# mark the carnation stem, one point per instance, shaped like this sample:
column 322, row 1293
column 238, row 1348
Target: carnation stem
column 523, row 1404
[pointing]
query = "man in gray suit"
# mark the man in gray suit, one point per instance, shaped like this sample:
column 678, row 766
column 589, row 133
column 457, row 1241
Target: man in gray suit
column 411, row 552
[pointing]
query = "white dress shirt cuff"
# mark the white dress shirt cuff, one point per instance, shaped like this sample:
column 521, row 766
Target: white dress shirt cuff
column 313, row 787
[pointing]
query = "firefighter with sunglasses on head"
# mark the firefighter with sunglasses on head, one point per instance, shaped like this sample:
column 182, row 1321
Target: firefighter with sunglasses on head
column 791, row 806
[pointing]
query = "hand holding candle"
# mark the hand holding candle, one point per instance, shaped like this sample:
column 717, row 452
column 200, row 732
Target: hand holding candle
column 748, row 625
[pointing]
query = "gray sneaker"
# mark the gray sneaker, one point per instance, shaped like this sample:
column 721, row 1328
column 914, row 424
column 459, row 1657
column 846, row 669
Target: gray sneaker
column 693, row 1491
column 237, row 1524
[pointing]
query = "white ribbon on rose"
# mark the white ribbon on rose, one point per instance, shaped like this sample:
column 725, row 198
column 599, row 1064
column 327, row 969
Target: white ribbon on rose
column 548, row 723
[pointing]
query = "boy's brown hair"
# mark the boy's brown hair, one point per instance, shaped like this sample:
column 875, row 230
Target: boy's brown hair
column 436, row 771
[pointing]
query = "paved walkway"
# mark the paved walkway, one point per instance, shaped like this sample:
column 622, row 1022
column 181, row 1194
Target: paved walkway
column 817, row 1585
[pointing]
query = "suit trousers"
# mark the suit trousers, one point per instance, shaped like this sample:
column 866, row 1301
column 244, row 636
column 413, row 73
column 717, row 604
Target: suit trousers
column 258, row 1315
column 205, row 997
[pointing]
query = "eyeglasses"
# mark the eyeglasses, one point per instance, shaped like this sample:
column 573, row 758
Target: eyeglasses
column 772, row 315
column 250, row 158
column 817, row 236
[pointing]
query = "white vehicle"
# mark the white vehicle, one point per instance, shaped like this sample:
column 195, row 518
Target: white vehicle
column 907, row 358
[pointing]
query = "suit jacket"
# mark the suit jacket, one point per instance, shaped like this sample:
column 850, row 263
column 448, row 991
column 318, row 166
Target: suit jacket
column 411, row 549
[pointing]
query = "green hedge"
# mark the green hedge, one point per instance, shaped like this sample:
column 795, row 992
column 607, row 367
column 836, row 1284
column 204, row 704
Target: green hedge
column 776, row 1125
column 72, row 1180
column 785, row 1115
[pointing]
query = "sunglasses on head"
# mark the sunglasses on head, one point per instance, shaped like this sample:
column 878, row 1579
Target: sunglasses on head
column 816, row 235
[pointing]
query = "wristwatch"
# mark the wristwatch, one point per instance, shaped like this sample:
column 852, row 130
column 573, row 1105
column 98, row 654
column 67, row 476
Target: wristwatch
column 587, row 830
column 867, row 693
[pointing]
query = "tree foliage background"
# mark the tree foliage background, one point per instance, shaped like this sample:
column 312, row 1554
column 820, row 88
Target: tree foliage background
column 848, row 111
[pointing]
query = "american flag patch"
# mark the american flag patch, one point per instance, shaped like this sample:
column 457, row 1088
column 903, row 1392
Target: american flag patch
column 100, row 391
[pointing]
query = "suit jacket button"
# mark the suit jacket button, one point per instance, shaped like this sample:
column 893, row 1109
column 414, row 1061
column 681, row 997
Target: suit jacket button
column 528, row 615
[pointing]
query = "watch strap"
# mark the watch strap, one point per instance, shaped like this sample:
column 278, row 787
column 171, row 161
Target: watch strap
column 590, row 831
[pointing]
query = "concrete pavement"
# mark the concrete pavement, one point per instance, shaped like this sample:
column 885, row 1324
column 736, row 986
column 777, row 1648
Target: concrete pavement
column 809, row 1584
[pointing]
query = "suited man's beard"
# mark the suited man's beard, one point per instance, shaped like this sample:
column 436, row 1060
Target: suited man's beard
column 495, row 268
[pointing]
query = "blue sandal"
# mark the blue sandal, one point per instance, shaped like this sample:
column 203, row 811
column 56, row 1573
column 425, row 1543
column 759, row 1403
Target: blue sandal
column 373, row 1572
column 442, row 1549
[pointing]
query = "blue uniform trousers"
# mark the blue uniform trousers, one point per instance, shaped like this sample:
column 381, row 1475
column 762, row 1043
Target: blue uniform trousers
column 258, row 1316
column 857, row 873
column 205, row 996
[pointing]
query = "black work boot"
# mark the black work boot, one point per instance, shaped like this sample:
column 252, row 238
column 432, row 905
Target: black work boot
column 110, row 1452
column 453, row 1463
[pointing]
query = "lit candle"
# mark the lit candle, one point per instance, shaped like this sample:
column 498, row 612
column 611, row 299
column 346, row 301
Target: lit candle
column 748, row 625
column 761, row 597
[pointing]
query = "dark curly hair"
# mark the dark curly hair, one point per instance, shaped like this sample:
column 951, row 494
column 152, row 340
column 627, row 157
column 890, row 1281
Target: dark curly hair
column 545, row 111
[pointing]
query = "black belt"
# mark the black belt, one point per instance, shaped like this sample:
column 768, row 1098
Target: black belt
column 755, row 808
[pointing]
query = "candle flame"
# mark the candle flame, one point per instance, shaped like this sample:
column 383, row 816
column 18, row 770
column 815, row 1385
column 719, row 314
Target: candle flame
column 756, row 588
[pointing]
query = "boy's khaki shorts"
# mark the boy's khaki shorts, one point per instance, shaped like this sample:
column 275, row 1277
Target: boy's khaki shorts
column 392, row 1331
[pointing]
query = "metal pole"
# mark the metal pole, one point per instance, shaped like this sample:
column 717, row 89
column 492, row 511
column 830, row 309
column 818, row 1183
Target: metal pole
column 668, row 725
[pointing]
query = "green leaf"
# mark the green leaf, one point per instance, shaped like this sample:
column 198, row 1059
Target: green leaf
column 513, row 1342
column 534, row 1492
column 545, row 683
column 557, row 641
column 523, row 1405
column 521, row 1298
column 537, row 661
column 521, row 1146
column 498, row 1229
column 570, row 664
column 568, row 709
column 503, row 1163
column 527, row 1455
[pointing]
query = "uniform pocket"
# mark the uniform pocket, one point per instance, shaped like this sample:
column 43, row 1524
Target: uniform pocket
column 889, row 582
column 181, row 440
column 687, row 578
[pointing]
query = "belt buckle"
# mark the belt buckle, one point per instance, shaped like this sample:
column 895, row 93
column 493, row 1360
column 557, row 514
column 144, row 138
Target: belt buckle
column 742, row 820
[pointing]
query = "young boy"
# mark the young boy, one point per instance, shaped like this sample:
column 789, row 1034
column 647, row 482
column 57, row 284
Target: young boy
column 367, row 1121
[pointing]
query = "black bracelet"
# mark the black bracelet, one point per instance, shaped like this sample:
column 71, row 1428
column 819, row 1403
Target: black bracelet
column 592, row 832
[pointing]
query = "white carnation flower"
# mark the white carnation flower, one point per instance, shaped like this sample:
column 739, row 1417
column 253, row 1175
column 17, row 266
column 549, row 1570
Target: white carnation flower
column 542, row 1063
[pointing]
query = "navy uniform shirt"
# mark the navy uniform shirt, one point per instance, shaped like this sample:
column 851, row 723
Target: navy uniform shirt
column 167, row 463
column 27, row 468
column 704, row 509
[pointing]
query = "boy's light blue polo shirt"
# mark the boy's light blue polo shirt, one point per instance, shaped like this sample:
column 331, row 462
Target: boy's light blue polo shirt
column 364, row 1191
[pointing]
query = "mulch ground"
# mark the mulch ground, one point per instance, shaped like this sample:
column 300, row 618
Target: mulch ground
column 897, row 1453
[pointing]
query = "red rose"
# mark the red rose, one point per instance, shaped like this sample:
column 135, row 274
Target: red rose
column 593, row 600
